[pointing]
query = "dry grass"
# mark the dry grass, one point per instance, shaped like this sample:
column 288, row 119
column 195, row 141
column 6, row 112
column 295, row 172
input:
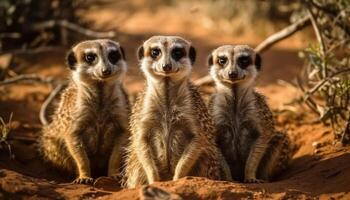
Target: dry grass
column 5, row 131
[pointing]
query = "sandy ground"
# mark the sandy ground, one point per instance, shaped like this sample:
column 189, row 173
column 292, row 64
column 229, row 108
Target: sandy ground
column 322, row 173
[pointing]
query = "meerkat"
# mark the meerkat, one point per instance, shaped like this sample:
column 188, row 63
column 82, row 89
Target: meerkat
column 172, row 134
column 90, row 125
column 246, row 133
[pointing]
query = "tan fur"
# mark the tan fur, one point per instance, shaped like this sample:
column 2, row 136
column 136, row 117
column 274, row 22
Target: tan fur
column 254, row 150
column 172, row 134
column 89, row 127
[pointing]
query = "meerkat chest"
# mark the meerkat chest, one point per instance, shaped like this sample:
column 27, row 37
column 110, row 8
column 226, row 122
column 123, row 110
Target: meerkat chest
column 171, row 133
column 172, row 121
column 236, row 121
column 101, row 129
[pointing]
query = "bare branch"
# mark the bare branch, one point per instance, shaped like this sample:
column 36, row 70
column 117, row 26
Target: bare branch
column 334, row 13
column 317, row 31
column 73, row 27
column 28, row 78
column 283, row 34
column 13, row 35
column 48, row 101
column 323, row 81
column 205, row 80
column 31, row 51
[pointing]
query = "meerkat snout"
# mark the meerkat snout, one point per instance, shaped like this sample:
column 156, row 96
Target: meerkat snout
column 167, row 67
column 97, row 61
column 166, row 57
column 231, row 64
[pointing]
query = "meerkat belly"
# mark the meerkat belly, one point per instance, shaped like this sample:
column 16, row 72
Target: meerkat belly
column 100, row 136
column 170, row 141
column 236, row 139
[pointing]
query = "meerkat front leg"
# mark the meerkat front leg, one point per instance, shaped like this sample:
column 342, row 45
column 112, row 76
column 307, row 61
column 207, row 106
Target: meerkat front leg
column 256, row 154
column 77, row 151
column 188, row 158
column 226, row 171
column 116, row 157
column 145, row 157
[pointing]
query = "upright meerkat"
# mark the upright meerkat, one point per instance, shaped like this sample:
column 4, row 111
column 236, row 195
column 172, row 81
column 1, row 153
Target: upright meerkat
column 172, row 134
column 254, row 150
column 89, row 127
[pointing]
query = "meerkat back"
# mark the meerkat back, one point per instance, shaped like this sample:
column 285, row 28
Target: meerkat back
column 89, row 127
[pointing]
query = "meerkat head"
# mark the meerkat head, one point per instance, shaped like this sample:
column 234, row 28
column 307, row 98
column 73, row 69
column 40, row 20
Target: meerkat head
column 166, row 56
column 234, row 65
column 97, row 61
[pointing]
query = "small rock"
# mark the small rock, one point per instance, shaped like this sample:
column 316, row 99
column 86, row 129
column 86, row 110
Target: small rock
column 154, row 193
column 317, row 151
column 317, row 145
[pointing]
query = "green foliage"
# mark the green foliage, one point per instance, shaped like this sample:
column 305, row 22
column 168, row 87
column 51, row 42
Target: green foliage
column 326, row 78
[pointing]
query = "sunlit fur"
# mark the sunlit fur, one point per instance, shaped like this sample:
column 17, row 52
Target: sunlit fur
column 254, row 150
column 181, row 69
column 246, row 77
column 89, row 127
column 87, row 74
column 172, row 134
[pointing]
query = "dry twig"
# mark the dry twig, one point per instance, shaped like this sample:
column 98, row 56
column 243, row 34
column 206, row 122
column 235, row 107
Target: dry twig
column 5, row 130
column 283, row 34
column 73, row 27
column 31, row 51
column 33, row 78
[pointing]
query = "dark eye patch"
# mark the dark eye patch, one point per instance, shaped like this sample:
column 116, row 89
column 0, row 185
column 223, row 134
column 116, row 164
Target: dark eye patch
column 90, row 58
column 155, row 52
column 222, row 60
column 244, row 61
column 177, row 53
column 114, row 56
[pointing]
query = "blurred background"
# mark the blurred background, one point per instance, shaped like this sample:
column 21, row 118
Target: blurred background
column 309, row 65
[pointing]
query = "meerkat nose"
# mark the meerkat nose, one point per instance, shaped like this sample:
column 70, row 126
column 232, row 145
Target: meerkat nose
column 167, row 67
column 106, row 71
column 232, row 74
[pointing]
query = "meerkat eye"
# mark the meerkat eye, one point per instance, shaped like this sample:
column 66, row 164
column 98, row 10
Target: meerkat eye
column 222, row 60
column 155, row 53
column 114, row 56
column 178, row 53
column 90, row 57
column 244, row 61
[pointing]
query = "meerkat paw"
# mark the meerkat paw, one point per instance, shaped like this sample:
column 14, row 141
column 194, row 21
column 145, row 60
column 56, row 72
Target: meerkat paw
column 153, row 193
column 153, row 178
column 83, row 180
column 116, row 177
column 254, row 180
column 175, row 178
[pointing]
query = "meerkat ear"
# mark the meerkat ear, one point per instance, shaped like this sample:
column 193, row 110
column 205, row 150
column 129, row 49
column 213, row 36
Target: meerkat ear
column 192, row 54
column 210, row 60
column 71, row 60
column 140, row 52
column 258, row 62
column 123, row 52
